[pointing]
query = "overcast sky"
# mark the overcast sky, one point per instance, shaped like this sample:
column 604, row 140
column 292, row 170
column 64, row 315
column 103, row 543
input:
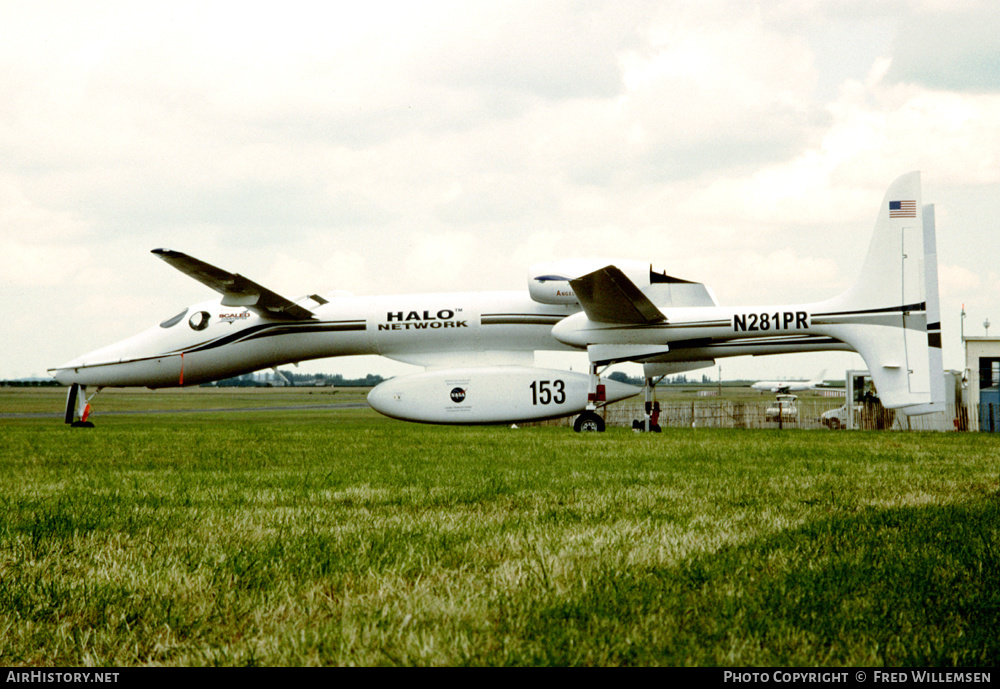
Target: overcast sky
column 386, row 147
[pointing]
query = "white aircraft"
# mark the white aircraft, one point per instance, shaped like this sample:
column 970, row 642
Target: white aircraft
column 478, row 348
column 784, row 386
column 891, row 316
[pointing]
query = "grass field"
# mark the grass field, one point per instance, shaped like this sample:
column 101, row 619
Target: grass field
column 335, row 536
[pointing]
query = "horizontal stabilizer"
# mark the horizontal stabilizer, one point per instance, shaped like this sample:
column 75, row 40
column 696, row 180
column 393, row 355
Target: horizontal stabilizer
column 608, row 296
column 235, row 289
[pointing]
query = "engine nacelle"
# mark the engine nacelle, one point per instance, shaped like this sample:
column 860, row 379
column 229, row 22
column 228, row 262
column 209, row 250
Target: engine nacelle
column 548, row 283
column 483, row 395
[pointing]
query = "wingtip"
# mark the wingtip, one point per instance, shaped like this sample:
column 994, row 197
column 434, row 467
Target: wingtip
column 166, row 253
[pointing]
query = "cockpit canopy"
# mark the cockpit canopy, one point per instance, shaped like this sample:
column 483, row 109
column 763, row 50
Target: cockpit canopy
column 199, row 320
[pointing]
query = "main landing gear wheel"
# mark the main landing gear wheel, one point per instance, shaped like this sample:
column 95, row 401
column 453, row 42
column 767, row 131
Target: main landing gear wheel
column 588, row 421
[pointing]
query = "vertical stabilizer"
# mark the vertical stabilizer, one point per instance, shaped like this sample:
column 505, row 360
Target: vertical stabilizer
column 932, row 299
column 886, row 316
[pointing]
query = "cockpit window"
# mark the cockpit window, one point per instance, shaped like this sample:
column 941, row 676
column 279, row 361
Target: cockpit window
column 200, row 320
column 171, row 322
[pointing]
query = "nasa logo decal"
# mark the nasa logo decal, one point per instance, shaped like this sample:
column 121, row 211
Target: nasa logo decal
column 457, row 395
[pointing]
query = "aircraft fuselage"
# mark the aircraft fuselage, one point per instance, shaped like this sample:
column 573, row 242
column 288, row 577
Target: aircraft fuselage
column 210, row 341
column 714, row 332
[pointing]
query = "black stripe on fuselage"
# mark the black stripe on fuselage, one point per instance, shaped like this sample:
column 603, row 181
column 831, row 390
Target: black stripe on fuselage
column 276, row 329
column 670, row 326
column 906, row 308
column 520, row 319
column 892, row 316
column 842, row 317
column 755, row 342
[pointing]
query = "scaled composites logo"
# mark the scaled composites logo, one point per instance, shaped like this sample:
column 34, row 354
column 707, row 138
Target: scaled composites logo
column 422, row 320
column 234, row 317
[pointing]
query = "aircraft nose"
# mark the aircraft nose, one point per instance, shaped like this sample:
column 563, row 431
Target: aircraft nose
column 66, row 373
column 93, row 368
column 62, row 375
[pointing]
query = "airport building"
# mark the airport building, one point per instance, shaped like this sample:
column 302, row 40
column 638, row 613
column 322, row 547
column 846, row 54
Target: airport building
column 982, row 371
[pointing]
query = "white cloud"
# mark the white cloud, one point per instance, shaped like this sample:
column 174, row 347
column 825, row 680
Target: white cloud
column 384, row 147
column 954, row 281
column 317, row 272
column 27, row 266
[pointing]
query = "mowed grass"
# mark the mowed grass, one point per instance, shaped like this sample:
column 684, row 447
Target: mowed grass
column 52, row 400
column 342, row 538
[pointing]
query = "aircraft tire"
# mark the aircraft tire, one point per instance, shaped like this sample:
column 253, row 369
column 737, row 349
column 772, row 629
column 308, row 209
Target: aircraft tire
column 82, row 424
column 588, row 421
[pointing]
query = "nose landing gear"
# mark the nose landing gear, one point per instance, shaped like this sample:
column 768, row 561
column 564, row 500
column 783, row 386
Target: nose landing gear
column 78, row 406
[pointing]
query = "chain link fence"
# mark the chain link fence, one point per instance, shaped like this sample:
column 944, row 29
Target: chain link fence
column 806, row 414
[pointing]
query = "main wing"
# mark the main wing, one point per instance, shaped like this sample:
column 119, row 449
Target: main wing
column 608, row 296
column 235, row 289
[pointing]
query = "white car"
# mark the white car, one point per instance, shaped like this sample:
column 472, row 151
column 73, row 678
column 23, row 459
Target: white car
column 837, row 418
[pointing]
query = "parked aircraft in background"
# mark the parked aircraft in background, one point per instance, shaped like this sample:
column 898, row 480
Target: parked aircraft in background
column 478, row 348
column 784, row 386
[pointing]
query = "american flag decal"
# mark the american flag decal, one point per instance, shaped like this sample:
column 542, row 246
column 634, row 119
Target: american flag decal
column 902, row 209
